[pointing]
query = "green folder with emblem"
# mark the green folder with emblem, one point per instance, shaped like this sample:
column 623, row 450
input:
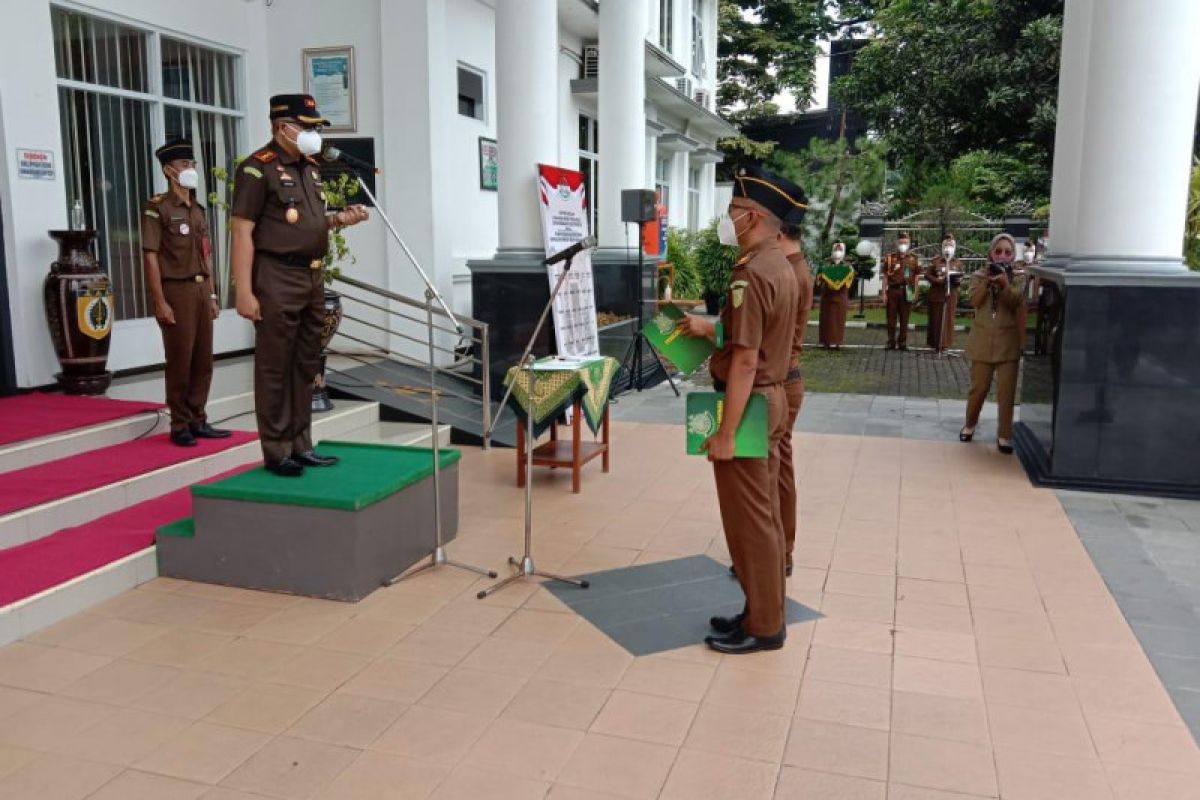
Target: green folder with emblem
column 685, row 352
column 704, row 413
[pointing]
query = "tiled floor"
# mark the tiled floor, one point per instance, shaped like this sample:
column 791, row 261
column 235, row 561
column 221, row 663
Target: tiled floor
column 967, row 648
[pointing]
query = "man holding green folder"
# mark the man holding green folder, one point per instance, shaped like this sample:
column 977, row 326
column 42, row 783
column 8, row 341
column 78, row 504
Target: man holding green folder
column 754, row 340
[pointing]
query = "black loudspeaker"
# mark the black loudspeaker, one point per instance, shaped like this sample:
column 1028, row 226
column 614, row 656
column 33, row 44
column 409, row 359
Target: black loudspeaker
column 637, row 205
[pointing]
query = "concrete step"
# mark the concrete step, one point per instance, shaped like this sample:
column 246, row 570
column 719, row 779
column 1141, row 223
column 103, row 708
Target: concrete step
column 33, row 523
column 48, row 448
column 408, row 434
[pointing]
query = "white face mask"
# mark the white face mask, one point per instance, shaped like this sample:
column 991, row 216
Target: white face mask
column 727, row 230
column 188, row 178
column 948, row 251
column 308, row 141
column 1028, row 255
column 838, row 255
column 902, row 247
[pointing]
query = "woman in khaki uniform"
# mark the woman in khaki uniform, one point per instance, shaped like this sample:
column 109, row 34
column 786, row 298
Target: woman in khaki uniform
column 835, row 279
column 994, row 343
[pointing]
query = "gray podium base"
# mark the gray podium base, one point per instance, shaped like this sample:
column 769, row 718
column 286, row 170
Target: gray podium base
column 316, row 552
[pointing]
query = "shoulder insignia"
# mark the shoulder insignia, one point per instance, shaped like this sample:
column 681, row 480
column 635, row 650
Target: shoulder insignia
column 738, row 288
column 150, row 212
column 252, row 171
column 265, row 155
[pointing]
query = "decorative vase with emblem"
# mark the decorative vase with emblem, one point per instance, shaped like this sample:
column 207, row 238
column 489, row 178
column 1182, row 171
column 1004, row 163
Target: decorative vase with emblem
column 333, row 318
column 79, row 311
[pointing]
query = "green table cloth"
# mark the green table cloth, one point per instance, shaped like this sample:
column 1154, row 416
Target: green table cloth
column 556, row 389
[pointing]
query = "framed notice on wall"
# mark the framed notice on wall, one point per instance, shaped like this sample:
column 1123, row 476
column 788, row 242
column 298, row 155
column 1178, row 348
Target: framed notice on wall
column 489, row 164
column 329, row 78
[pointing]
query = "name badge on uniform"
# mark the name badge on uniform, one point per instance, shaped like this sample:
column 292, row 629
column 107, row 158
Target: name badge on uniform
column 292, row 215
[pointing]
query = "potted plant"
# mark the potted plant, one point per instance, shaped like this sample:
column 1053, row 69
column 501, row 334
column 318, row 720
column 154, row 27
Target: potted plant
column 685, row 283
column 338, row 193
column 714, row 263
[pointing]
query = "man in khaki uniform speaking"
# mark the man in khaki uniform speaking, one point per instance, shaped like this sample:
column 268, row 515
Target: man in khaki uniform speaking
column 755, row 339
column 280, row 234
column 176, row 257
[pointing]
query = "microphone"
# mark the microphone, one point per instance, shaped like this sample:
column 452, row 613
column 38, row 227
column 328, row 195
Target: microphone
column 586, row 243
column 332, row 153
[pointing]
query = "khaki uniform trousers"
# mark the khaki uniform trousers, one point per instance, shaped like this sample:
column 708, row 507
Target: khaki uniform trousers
column 1005, row 373
column 188, row 347
column 748, row 493
column 794, row 391
column 898, row 308
column 287, row 354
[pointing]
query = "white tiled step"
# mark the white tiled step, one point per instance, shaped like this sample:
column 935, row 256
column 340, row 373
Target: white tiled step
column 33, row 523
column 48, row 448
column 401, row 433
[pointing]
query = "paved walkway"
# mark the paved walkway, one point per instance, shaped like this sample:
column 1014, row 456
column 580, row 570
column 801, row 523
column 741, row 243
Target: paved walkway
column 966, row 647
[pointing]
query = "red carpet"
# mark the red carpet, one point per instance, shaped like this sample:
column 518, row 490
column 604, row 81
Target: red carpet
column 35, row 567
column 29, row 416
column 43, row 483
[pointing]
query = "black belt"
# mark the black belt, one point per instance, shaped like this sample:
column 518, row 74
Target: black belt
column 188, row 279
column 292, row 260
column 720, row 385
column 794, row 374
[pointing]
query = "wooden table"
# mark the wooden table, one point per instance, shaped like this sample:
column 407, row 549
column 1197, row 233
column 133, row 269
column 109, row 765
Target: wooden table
column 558, row 453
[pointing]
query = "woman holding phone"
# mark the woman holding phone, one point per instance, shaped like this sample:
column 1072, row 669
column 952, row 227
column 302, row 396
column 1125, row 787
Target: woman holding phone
column 994, row 343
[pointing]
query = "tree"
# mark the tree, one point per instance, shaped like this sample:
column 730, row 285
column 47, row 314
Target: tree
column 836, row 177
column 768, row 48
column 948, row 77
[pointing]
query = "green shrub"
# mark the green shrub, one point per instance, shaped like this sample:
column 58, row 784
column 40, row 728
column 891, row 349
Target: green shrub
column 714, row 261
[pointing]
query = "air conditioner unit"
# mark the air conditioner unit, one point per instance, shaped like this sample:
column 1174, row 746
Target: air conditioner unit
column 703, row 98
column 591, row 61
column 684, row 85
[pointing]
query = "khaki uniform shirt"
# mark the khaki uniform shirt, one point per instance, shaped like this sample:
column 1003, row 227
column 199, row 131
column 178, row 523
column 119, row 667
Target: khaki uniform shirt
column 899, row 270
column 996, row 330
column 937, row 273
column 178, row 233
column 804, row 285
column 760, row 314
column 282, row 195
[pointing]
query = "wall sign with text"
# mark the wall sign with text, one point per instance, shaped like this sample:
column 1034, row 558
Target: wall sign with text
column 35, row 165
column 489, row 164
column 329, row 78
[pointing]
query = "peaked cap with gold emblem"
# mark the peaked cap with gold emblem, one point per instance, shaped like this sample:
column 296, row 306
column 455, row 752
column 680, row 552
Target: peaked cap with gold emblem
column 775, row 193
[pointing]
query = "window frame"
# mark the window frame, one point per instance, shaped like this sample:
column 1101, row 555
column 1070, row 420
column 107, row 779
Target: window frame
column 158, row 103
column 590, row 151
column 484, row 101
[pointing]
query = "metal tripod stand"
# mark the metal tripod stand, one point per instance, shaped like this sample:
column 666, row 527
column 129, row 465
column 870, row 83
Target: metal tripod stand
column 525, row 566
column 438, row 557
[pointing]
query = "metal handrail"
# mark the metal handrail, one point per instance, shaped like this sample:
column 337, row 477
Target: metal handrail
column 465, row 328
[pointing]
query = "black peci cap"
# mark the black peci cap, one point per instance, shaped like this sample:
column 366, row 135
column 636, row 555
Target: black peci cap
column 777, row 194
column 175, row 150
column 300, row 107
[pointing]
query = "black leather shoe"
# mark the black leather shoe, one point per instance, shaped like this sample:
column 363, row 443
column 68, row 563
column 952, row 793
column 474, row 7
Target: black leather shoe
column 311, row 458
column 726, row 625
column 740, row 643
column 286, row 468
column 183, row 437
column 904, row 348
column 206, row 431
column 1004, row 447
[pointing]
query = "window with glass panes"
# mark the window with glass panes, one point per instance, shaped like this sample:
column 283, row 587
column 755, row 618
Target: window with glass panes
column 589, row 164
column 122, row 92
column 662, row 180
column 694, row 198
column 699, row 62
column 666, row 22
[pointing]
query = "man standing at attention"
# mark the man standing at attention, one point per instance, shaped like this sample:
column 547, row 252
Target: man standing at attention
column 755, row 337
column 900, row 272
column 176, row 257
column 793, row 388
column 280, row 234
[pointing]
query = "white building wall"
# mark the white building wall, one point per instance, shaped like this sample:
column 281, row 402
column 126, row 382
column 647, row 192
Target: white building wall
column 29, row 118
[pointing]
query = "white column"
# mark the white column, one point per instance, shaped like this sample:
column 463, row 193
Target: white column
column 526, row 113
column 622, row 114
column 1069, row 127
column 1139, row 118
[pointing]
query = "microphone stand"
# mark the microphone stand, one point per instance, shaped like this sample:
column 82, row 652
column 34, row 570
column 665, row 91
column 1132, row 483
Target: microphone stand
column 525, row 566
column 438, row 557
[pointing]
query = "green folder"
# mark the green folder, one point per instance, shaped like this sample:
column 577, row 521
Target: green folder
column 685, row 352
column 704, row 412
